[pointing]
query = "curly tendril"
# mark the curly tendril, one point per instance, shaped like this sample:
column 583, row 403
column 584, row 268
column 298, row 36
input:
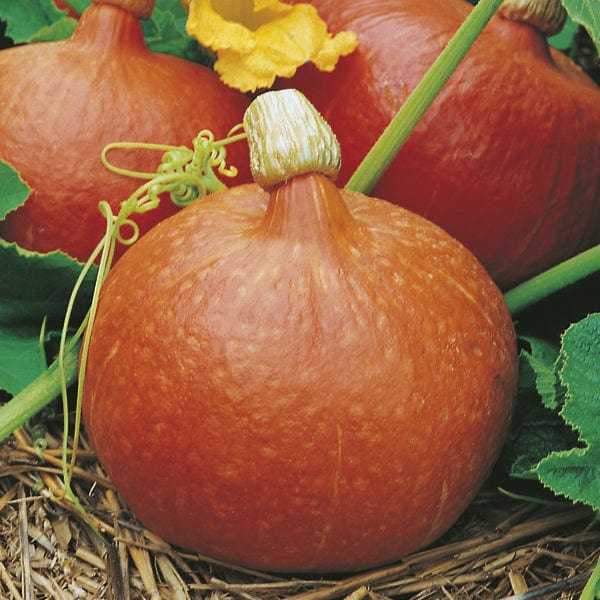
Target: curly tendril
column 186, row 174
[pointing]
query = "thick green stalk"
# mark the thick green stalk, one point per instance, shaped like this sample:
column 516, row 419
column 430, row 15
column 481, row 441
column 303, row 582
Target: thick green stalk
column 393, row 137
column 554, row 279
column 39, row 393
column 591, row 591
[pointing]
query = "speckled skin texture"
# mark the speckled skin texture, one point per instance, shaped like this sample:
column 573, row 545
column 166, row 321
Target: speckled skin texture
column 300, row 381
column 506, row 159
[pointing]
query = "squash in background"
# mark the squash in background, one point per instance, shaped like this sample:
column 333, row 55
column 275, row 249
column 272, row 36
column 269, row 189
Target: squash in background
column 507, row 159
column 62, row 102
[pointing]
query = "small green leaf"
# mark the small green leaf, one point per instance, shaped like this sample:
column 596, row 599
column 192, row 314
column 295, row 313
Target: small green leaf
column 165, row 32
column 34, row 286
column 35, row 21
column 14, row 190
column 542, row 358
column 21, row 357
column 536, row 430
column 565, row 39
column 575, row 473
column 586, row 13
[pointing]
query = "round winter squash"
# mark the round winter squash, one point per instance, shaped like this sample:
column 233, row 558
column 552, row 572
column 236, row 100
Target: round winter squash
column 63, row 102
column 507, row 159
column 297, row 377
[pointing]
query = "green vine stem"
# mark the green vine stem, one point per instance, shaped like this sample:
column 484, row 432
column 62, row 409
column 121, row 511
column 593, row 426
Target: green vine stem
column 38, row 394
column 591, row 591
column 397, row 132
column 185, row 175
column 47, row 386
column 556, row 278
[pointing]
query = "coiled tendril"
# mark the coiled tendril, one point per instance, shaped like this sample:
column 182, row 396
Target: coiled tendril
column 186, row 174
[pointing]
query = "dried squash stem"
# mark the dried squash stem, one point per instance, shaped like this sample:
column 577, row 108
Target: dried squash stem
column 548, row 16
column 141, row 9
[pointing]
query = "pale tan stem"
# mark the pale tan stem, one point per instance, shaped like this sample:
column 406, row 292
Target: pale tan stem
column 288, row 137
column 141, row 9
column 548, row 16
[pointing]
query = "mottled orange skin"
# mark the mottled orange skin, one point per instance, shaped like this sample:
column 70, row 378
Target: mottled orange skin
column 507, row 159
column 310, row 380
column 63, row 102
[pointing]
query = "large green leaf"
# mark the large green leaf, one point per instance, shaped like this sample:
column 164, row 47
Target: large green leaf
column 36, row 286
column 575, row 473
column 34, row 289
column 35, row 21
column 586, row 13
column 22, row 357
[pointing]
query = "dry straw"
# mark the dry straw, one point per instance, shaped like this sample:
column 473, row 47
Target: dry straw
column 503, row 547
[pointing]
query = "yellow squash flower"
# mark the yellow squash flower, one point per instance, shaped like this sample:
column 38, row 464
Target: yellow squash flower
column 258, row 40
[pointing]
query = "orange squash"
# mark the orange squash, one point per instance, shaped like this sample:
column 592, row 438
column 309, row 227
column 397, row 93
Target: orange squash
column 507, row 159
column 297, row 377
column 62, row 102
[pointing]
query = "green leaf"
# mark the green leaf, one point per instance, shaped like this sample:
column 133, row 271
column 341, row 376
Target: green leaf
column 565, row 39
column 586, row 13
column 542, row 358
column 34, row 286
column 165, row 32
column 14, row 190
column 580, row 374
column 536, row 430
column 35, row 21
column 575, row 473
column 21, row 357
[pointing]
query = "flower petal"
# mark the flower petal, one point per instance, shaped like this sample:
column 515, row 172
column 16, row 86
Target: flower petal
column 271, row 40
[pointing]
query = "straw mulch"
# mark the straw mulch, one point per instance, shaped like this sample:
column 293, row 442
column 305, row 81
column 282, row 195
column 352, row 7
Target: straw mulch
column 503, row 547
